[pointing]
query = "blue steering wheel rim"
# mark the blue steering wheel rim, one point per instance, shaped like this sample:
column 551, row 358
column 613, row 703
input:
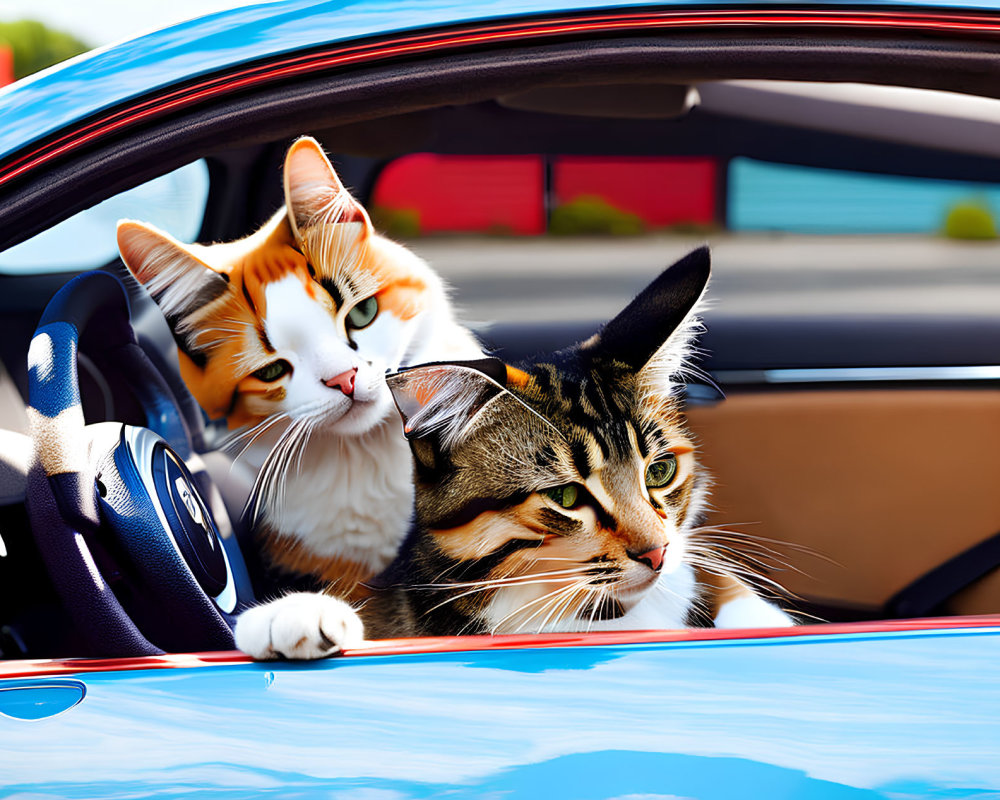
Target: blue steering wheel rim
column 88, row 299
column 62, row 494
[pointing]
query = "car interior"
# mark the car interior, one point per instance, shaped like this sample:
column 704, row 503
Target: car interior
column 851, row 443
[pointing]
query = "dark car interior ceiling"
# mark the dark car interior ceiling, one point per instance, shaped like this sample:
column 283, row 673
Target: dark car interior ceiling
column 950, row 121
column 611, row 100
column 898, row 114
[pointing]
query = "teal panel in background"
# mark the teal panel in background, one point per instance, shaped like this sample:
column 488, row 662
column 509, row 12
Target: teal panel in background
column 780, row 197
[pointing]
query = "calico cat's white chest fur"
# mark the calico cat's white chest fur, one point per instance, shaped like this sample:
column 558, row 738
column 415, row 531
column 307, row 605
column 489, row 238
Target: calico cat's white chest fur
column 347, row 499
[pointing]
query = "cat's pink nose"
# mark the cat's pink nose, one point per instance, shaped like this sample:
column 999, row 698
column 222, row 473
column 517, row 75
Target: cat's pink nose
column 653, row 559
column 344, row 381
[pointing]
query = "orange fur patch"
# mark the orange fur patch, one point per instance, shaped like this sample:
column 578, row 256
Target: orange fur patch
column 344, row 576
column 484, row 534
column 403, row 297
column 267, row 265
column 516, row 377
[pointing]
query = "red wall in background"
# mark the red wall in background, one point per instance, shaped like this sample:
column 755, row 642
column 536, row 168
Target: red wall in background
column 467, row 193
column 507, row 193
column 6, row 65
column 662, row 191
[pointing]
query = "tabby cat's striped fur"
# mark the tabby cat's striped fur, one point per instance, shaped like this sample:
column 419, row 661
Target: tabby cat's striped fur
column 557, row 494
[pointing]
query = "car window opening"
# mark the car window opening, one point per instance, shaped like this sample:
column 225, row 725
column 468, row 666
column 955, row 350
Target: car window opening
column 852, row 307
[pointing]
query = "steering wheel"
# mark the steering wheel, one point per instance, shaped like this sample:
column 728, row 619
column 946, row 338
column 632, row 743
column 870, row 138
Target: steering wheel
column 126, row 536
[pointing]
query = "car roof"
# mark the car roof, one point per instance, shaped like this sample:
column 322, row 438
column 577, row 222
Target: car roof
column 112, row 75
column 37, row 107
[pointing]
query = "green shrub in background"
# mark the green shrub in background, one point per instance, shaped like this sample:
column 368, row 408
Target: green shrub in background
column 36, row 46
column 396, row 223
column 971, row 219
column 589, row 215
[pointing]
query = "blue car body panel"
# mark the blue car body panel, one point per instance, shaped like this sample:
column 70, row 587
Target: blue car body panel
column 866, row 715
column 38, row 107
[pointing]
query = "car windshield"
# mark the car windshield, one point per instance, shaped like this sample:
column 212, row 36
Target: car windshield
column 174, row 202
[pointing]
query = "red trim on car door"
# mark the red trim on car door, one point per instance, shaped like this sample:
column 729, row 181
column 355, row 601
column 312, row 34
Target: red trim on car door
column 454, row 644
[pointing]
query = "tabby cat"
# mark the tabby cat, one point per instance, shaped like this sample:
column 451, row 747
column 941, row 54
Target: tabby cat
column 559, row 494
column 288, row 334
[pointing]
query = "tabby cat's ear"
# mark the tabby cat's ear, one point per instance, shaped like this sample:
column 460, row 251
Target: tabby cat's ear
column 179, row 282
column 314, row 194
column 654, row 334
column 442, row 399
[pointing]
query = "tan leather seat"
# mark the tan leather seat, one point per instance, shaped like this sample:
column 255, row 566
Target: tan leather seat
column 883, row 485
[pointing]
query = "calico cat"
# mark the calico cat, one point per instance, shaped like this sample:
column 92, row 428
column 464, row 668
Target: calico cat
column 287, row 335
column 560, row 494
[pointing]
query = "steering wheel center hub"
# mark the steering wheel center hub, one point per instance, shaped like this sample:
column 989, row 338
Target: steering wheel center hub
column 189, row 521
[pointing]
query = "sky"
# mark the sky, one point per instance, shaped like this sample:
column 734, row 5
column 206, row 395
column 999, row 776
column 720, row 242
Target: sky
column 101, row 22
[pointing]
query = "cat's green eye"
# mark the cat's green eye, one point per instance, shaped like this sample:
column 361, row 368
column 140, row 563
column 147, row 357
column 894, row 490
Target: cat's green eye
column 273, row 371
column 660, row 473
column 362, row 314
column 565, row 496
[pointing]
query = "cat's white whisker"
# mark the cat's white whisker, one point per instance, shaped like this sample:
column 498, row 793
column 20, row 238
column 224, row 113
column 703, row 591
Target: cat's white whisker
column 479, row 587
column 756, row 580
column 234, row 439
column 746, row 549
column 727, row 553
column 663, row 587
column 603, row 592
column 269, row 487
column 453, row 598
column 560, row 608
column 750, row 540
column 550, row 597
column 251, row 436
column 736, row 558
column 559, row 603
column 513, row 580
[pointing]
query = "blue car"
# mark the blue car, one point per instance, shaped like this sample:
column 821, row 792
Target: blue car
column 844, row 163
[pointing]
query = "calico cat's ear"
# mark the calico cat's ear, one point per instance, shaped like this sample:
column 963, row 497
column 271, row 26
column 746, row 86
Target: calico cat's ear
column 654, row 334
column 313, row 192
column 179, row 282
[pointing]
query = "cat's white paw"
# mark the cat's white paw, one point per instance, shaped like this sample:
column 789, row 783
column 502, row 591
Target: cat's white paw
column 749, row 611
column 302, row 625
